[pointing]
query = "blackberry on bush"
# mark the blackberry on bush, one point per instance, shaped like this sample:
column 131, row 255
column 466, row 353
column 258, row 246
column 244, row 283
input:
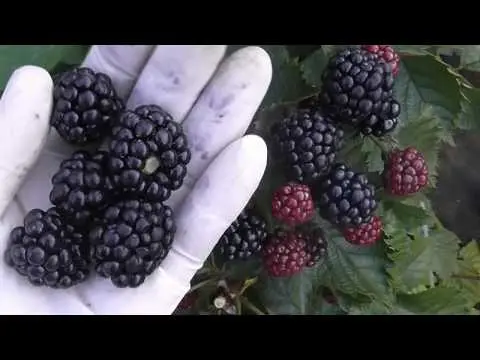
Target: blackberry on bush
column 244, row 237
column 47, row 251
column 285, row 254
column 148, row 153
column 81, row 188
column 316, row 246
column 131, row 240
column 364, row 234
column 406, row 172
column 293, row 204
column 345, row 197
column 357, row 90
column 85, row 105
column 308, row 143
column 387, row 53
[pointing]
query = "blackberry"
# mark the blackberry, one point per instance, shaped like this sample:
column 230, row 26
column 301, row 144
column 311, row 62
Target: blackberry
column 387, row 53
column 406, row 172
column 285, row 254
column 131, row 240
column 364, row 234
column 85, row 105
column 316, row 247
column 357, row 90
column 149, row 153
column 244, row 237
column 81, row 188
column 48, row 251
column 345, row 198
column 293, row 204
column 308, row 143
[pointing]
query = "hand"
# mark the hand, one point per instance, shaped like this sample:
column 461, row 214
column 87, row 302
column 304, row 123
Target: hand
column 215, row 100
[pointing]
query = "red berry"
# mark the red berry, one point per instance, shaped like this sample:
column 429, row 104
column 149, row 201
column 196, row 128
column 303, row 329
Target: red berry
column 406, row 172
column 316, row 246
column 364, row 234
column 285, row 254
column 387, row 53
column 293, row 204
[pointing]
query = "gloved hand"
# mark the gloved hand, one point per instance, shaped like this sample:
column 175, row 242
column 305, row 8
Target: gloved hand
column 214, row 98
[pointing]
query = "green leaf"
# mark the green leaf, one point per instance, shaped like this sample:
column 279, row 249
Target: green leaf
column 426, row 81
column 432, row 251
column 313, row 66
column 412, row 49
column 241, row 270
column 293, row 295
column 410, row 216
column 355, row 270
column 373, row 155
column 469, row 117
column 467, row 278
column 287, row 83
column 46, row 56
column 436, row 301
column 469, row 55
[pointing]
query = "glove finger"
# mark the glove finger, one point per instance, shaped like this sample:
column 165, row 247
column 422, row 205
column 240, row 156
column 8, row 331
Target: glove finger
column 205, row 215
column 123, row 63
column 174, row 77
column 19, row 297
column 224, row 110
column 24, row 115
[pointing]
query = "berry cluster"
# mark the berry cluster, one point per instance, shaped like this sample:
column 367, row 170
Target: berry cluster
column 357, row 91
column 108, row 214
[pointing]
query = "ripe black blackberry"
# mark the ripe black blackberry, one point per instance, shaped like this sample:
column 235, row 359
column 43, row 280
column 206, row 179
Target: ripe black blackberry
column 345, row 198
column 48, row 251
column 357, row 90
column 131, row 241
column 244, row 237
column 148, row 153
column 308, row 143
column 81, row 187
column 85, row 105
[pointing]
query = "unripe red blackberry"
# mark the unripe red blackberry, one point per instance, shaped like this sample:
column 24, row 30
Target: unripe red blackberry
column 406, row 172
column 364, row 234
column 292, row 204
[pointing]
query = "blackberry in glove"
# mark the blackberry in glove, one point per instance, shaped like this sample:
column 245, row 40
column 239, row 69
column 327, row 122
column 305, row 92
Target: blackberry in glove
column 131, row 240
column 148, row 153
column 47, row 251
column 308, row 143
column 345, row 197
column 357, row 90
column 85, row 105
column 81, row 187
column 244, row 238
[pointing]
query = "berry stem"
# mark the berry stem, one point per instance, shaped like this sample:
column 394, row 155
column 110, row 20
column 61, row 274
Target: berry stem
column 251, row 307
column 201, row 284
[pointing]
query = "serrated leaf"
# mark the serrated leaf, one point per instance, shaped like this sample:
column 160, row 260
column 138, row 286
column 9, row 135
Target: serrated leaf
column 467, row 278
column 373, row 155
column 356, row 271
column 287, row 83
column 421, row 256
column 425, row 133
column 469, row 117
column 409, row 216
column 313, row 66
column 411, row 49
column 290, row 296
column 46, row 56
column 436, row 301
column 426, row 81
column 469, row 55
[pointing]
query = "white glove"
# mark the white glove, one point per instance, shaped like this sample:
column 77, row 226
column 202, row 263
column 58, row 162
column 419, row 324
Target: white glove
column 214, row 98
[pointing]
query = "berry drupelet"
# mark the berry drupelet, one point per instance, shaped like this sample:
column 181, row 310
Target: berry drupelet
column 244, row 237
column 48, row 251
column 131, row 240
column 345, row 197
column 148, row 153
column 387, row 53
column 308, row 143
column 81, row 187
column 85, row 105
column 292, row 204
column 364, row 234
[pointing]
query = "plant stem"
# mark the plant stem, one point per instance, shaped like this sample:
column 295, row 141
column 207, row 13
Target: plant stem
column 251, row 307
column 201, row 284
